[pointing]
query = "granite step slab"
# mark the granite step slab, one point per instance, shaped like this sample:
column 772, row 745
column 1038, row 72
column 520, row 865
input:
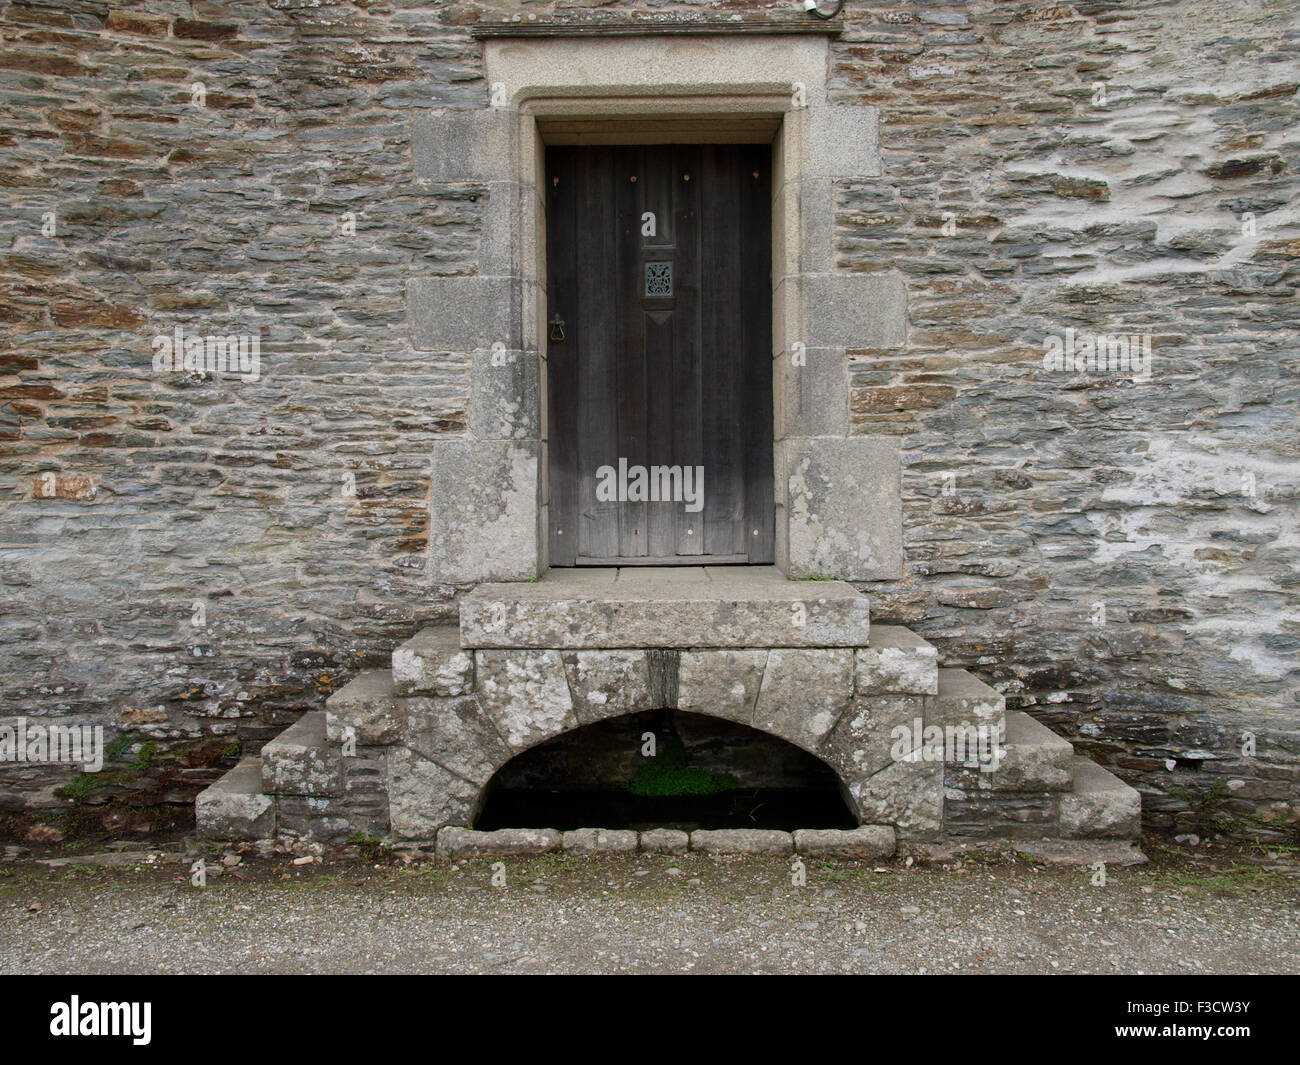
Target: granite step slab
column 1099, row 804
column 432, row 663
column 963, row 700
column 732, row 610
column 235, row 807
column 301, row 760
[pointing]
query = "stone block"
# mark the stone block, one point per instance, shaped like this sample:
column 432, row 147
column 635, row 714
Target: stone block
column 854, row 310
column 608, row 683
column 505, row 395
column 526, row 695
column 478, row 145
column 1082, row 853
column 843, row 141
column 423, row 797
column 235, row 807
column 787, row 322
column 963, row 700
column 533, row 327
column 907, row 795
column 803, row 694
column 665, row 841
column 1034, row 759
column 432, row 662
column 998, row 814
column 865, row 843
column 466, row 843
column 862, row 743
column 599, row 840
column 301, row 760
column 483, row 519
column 742, row 841
column 1100, row 804
column 457, row 734
column 786, row 235
column 817, row 248
column 366, row 710
column 721, row 683
column 640, row 611
column 505, row 239
column 642, row 65
column 463, row 313
column 812, row 396
column 501, row 242
column 320, row 819
column 843, row 508
column 897, row 662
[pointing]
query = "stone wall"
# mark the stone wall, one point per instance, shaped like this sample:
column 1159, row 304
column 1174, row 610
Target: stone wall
column 1035, row 499
column 194, row 560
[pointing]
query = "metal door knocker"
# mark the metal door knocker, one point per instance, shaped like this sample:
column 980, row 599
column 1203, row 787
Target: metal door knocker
column 557, row 328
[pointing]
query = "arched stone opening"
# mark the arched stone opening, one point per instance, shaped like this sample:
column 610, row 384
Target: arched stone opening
column 665, row 768
column 451, row 748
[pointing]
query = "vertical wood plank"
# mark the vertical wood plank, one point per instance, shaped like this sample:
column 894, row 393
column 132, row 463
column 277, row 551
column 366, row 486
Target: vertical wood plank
column 688, row 427
column 661, row 519
column 759, row 531
column 630, row 343
column 597, row 264
column 720, row 348
column 562, row 358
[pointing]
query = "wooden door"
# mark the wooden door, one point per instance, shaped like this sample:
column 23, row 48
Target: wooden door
column 659, row 283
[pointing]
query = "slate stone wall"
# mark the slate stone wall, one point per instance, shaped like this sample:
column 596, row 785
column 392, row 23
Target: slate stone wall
column 1120, row 557
column 193, row 560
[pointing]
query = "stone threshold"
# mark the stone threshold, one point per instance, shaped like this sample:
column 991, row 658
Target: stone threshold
column 865, row 843
column 632, row 607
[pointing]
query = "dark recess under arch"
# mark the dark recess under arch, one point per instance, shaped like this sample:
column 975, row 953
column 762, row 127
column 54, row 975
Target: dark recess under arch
column 706, row 773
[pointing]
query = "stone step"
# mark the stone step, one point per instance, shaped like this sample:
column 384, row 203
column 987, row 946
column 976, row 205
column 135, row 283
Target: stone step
column 432, row 663
column 301, row 761
column 235, row 807
column 1053, row 853
column 897, row 662
column 965, row 700
column 626, row 608
column 1034, row 759
column 366, row 711
column 1099, row 804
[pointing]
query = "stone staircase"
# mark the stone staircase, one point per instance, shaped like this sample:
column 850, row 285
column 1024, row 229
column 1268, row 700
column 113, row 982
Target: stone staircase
column 406, row 753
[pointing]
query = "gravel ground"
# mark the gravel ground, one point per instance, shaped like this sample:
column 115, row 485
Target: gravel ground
column 1204, row 913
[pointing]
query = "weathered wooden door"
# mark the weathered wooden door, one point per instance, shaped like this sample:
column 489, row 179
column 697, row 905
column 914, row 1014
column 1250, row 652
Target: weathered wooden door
column 659, row 354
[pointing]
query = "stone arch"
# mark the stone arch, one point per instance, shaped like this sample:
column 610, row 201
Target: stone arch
column 524, row 697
